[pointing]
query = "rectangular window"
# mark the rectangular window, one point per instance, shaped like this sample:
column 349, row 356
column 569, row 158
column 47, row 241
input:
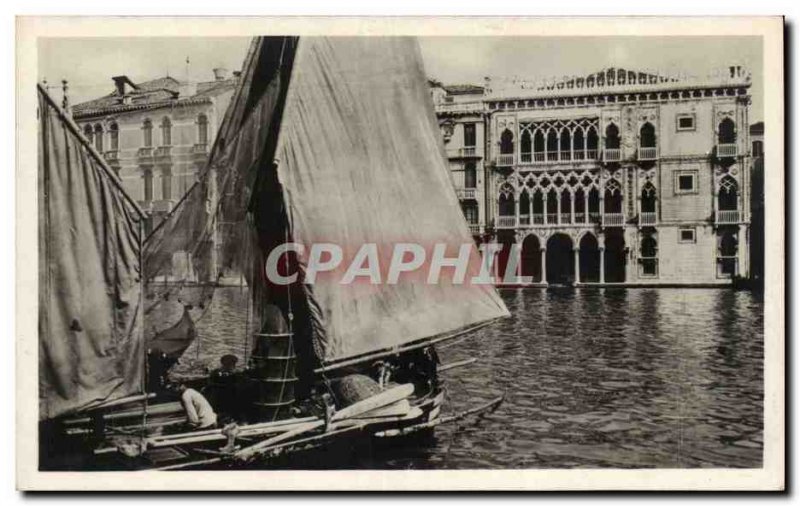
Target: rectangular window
column 650, row 267
column 166, row 185
column 148, row 185
column 685, row 122
column 686, row 182
column 686, row 235
column 469, row 135
column 471, row 213
column 114, row 138
column 470, row 175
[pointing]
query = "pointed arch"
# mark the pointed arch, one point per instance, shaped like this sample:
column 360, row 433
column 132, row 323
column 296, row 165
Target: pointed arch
column 578, row 143
column 727, row 131
column 612, row 136
column 506, row 142
column 647, row 136
column 592, row 142
column 648, row 197
column 728, row 196
column 552, row 144
column 565, row 144
column 506, row 200
column 613, row 197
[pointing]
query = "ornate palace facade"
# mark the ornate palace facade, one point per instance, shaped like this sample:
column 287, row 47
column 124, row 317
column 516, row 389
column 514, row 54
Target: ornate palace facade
column 616, row 177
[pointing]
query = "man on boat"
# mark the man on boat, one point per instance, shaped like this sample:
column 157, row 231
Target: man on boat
column 198, row 410
column 223, row 388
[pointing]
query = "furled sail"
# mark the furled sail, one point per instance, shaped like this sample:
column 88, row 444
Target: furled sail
column 360, row 160
column 211, row 218
column 90, row 303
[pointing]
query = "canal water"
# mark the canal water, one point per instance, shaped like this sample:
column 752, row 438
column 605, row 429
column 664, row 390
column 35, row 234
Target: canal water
column 593, row 378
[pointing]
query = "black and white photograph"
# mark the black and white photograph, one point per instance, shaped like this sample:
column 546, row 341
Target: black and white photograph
column 354, row 249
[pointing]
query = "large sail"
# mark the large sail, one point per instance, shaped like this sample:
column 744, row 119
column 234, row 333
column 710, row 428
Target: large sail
column 90, row 300
column 360, row 160
column 331, row 140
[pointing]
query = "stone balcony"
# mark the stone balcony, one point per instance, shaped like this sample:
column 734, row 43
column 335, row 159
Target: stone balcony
column 505, row 160
column 555, row 157
column 467, row 193
column 475, row 228
column 145, row 205
column 162, row 154
column 537, row 220
column 647, row 154
column 163, row 206
column 648, row 219
column 726, row 150
column 613, row 219
column 465, row 152
column 728, row 217
column 145, row 155
column 199, row 152
column 612, row 155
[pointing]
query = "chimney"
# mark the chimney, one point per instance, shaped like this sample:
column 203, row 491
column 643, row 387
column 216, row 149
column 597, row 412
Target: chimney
column 124, row 85
column 187, row 89
column 220, row 74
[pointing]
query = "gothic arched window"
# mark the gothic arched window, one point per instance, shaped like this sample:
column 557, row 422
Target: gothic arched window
column 647, row 136
column 506, row 142
column 727, row 131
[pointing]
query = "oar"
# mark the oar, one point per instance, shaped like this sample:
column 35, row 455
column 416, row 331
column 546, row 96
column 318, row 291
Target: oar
column 486, row 407
column 399, row 408
column 385, row 398
column 376, row 401
column 453, row 365
column 216, row 434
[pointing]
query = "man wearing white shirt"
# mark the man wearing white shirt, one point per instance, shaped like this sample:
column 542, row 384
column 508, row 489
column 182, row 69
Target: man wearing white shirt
column 198, row 410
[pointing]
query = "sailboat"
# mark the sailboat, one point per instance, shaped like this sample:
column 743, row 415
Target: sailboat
column 326, row 140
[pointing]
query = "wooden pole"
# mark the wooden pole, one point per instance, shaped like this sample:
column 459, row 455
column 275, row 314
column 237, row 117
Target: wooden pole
column 460, row 363
column 402, row 349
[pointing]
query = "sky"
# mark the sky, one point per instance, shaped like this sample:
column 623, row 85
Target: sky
column 89, row 63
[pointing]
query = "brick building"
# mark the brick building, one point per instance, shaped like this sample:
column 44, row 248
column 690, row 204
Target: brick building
column 616, row 177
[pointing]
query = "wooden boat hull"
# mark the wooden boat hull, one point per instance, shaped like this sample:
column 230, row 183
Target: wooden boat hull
column 307, row 441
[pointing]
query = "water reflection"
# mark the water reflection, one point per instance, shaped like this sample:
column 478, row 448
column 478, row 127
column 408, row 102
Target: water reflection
column 620, row 378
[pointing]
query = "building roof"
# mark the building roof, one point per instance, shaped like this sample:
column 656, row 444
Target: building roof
column 151, row 94
column 463, row 89
column 614, row 80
